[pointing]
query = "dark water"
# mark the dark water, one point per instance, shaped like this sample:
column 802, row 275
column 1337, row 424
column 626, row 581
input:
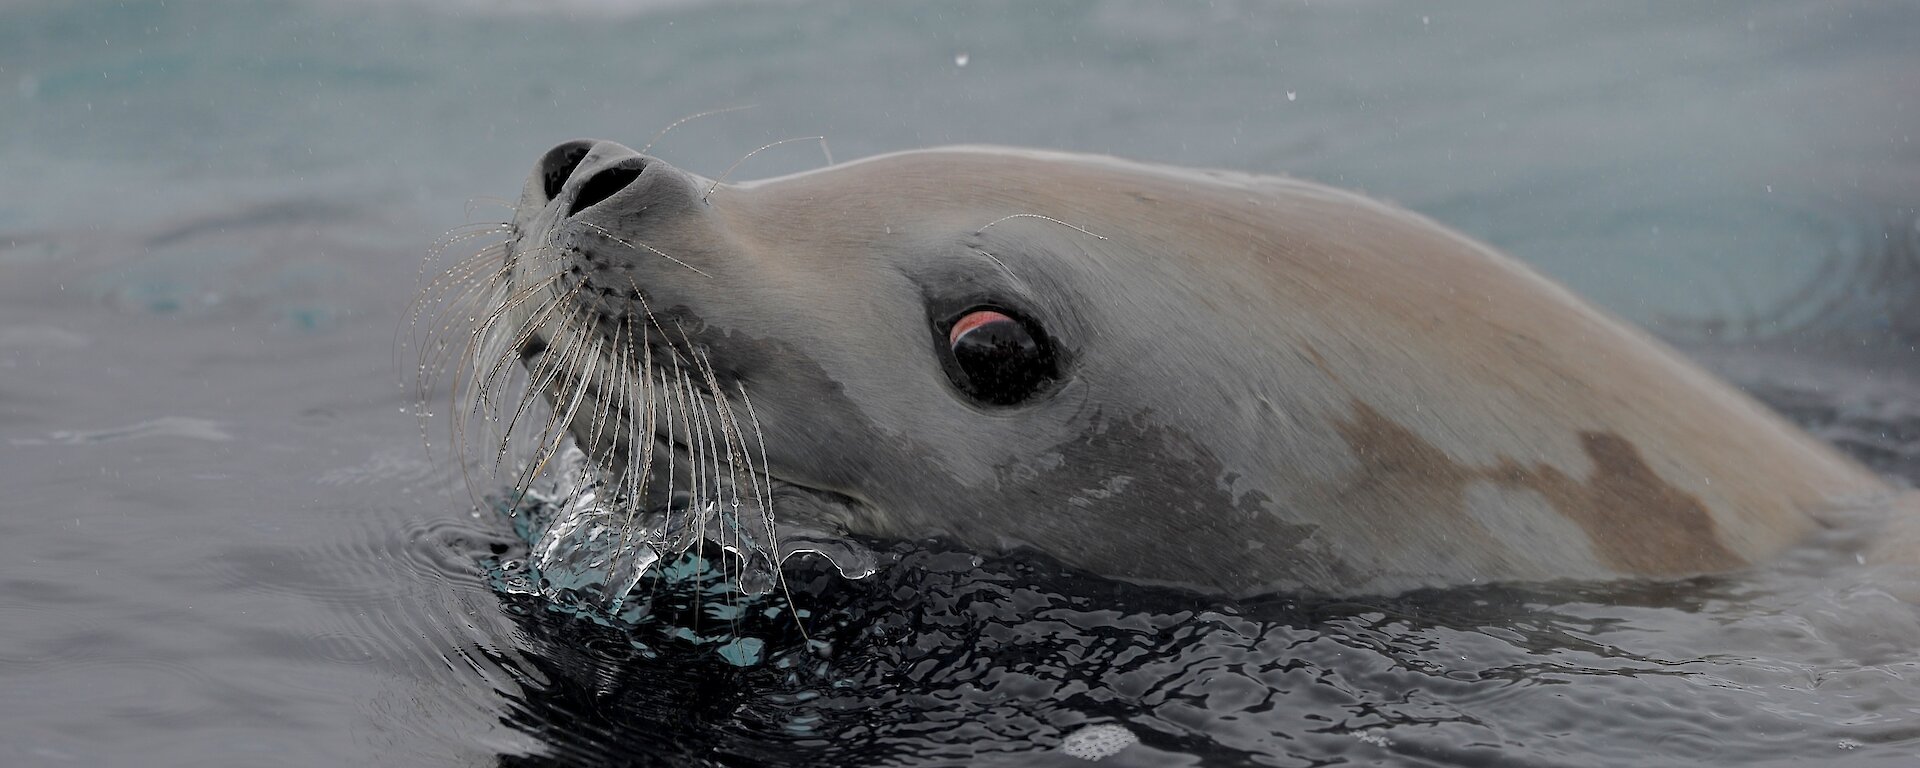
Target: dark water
column 223, row 541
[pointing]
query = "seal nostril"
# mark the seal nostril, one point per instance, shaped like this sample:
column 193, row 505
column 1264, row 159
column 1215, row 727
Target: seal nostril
column 603, row 185
column 558, row 164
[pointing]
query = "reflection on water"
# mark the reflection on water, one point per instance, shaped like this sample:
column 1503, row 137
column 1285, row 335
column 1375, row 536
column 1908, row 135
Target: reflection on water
column 223, row 544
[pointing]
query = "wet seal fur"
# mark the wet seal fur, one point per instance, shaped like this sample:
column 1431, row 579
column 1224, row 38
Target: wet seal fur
column 1266, row 384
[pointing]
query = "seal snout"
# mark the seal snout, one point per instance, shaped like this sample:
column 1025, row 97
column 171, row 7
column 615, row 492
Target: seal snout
column 605, row 182
column 591, row 171
column 559, row 163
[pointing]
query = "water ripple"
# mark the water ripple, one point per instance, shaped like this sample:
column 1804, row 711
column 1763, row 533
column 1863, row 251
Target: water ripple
column 945, row 658
column 166, row 426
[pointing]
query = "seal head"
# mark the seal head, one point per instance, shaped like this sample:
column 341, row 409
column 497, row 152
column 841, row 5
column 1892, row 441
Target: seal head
column 1214, row 380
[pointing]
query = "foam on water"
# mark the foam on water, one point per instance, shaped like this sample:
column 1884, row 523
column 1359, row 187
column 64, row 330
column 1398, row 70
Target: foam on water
column 1098, row 742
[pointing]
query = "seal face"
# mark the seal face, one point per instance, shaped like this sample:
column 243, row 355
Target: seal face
column 1214, row 380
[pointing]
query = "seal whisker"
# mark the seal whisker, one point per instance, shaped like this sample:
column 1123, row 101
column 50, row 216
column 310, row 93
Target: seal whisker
column 730, row 442
column 743, row 158
column 714, row 510
column 673, row 475
column 603, row 406
column 553, row 435
column 448, row 291
column 696, row 449
column 434, row 351
column 446, row 295
column 734, row 444
column 489, row 199
column 766, row 511
column 461, row 273
column 637, row 245
column 704, row 476
column 468, row 270
column 474, row 345
column 486, row 294
column 653, row 404
column 437, row 250
column 1041, row 217
column 690, row 118
column 482, row 344
column 725, row 449
column 448, row 285
column 675, row 400
column 762, row 496
column 538, row 379
column 722, row 507
column 636, row 478
column 435, row 359
column 454, row 235
column 463, row 287
column 547, row 370
column 1003, row 265
column 484, row 395
column 522, row 337
column 490, row 350
column 462, row 233
column 619, row 395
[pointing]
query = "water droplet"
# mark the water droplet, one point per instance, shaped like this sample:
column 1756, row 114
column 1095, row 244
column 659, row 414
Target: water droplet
column 960, row 59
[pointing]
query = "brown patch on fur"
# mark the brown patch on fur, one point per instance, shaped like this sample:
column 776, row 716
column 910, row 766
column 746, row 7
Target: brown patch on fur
column 1401, row 473
column 1313, row 355
column 1638, row 522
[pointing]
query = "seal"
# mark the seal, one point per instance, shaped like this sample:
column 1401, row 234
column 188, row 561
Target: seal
column 1219, row 381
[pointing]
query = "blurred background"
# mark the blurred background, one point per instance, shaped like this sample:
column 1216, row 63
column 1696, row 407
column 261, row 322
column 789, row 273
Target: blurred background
column 1658, row 157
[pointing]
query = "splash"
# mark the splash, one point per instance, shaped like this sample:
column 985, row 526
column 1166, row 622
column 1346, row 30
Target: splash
column 582, row 541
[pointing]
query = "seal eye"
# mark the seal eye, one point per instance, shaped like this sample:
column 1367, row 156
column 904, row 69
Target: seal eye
column 997, row 359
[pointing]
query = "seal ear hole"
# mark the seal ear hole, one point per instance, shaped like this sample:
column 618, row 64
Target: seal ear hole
column 603, row 185
column 997, row 358
column 558, row 164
